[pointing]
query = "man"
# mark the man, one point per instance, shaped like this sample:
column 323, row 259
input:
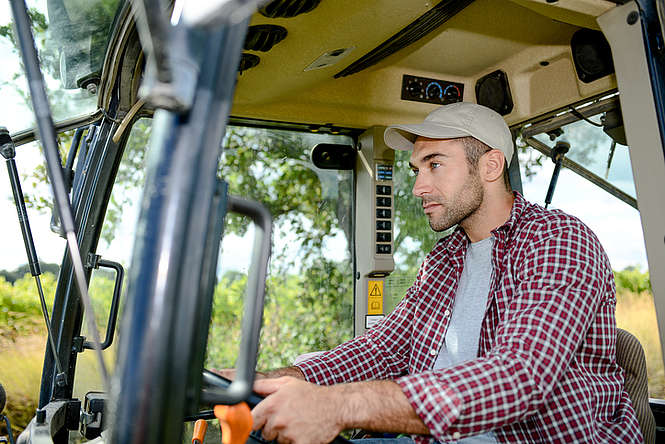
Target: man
column 507, row 334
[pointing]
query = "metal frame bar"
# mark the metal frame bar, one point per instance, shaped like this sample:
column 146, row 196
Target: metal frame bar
column 586, row 174
column 159, row 360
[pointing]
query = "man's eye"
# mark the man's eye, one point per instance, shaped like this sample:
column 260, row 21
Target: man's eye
column 433, row 165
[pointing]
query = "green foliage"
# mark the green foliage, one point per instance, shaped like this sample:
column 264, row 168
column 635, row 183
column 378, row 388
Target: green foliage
column 12, row 276
column 302, row 314
column 632, row 280
column 20, row 309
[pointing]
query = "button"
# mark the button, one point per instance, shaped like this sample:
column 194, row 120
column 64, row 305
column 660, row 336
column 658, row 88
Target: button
column 432, row 352
column 383, row 225
column 383, row 237
column 446, row 313
column 382, row 248
column 457, row 435
column 383, row 201
column 383, row 190
column 383, row 213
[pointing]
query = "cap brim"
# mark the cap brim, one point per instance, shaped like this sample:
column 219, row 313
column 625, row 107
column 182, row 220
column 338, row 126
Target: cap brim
column 402, row 137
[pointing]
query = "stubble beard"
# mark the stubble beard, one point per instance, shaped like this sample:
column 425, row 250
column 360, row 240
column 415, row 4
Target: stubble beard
column 459, row 207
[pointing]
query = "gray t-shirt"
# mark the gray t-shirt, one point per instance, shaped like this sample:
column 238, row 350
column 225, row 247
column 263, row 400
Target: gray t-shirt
column 461, row 342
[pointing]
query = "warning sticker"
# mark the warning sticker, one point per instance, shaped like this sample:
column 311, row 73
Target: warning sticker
column 374, row 297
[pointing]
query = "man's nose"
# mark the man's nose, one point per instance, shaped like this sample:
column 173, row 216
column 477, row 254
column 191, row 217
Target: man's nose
column 420, row 186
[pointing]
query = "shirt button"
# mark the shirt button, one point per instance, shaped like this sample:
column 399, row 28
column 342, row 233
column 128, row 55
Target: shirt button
column 432, row 352
column 456, row 435
column 446, row 313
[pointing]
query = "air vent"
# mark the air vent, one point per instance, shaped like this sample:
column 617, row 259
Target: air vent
column 416, row 30
column 248, row 61
column 264, row 37
column 288, row 8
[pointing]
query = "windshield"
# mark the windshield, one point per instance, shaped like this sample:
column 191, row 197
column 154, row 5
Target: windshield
column 71, row 37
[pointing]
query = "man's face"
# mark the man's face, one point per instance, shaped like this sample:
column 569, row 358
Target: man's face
column 449, row 191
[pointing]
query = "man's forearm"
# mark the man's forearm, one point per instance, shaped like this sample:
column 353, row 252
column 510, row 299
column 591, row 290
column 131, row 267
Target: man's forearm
column 378, row 406
column 292, row 371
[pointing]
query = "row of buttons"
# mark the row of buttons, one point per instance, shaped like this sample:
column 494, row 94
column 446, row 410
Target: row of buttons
column 384, row 199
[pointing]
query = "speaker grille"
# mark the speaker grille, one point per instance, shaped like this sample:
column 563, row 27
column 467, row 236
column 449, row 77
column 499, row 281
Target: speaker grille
column 493, row 91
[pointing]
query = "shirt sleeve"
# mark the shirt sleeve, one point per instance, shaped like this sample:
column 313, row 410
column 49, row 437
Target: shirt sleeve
column 381, row 353
column 559, row 287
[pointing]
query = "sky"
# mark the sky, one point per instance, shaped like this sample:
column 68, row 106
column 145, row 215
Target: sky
column 616, row 224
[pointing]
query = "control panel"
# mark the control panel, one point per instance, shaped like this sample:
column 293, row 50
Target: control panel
column 375, row 208
column 423, row 89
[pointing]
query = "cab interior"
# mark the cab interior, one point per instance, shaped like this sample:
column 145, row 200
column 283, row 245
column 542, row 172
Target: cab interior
column 346, row 69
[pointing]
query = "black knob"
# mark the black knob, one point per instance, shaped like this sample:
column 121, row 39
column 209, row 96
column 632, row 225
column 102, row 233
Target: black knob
column 414, row 89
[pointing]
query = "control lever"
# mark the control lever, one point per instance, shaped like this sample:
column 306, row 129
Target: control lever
column 558, row 153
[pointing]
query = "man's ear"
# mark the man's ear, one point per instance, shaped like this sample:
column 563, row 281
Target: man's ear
column 493, row 162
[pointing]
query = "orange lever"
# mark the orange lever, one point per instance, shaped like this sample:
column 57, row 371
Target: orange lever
column 200, row 428
column 235, row 421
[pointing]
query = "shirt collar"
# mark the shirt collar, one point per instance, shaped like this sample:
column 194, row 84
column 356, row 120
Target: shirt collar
column 519, row 204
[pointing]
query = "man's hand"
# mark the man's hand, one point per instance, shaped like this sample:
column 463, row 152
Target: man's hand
column 296, row 411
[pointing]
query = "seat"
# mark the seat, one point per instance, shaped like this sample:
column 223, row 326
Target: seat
column 630, row 356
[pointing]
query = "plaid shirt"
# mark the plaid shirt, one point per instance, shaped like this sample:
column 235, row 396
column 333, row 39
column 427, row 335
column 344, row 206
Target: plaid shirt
column 546, row 369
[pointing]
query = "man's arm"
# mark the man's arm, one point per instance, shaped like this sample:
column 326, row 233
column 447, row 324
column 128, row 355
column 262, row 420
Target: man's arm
column 301, row 412
column 294, row 372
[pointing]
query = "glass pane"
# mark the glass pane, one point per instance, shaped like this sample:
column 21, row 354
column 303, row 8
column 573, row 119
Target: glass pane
column 592, row 148
column 616, row 224
column 71, row 37
column 116, row 244
column 22, row 328
column 309, row 293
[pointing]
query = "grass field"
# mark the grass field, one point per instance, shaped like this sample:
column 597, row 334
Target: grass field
column 20, row 371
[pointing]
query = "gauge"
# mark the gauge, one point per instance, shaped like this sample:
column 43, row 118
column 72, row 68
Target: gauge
column 434, row 91
column 452, row 92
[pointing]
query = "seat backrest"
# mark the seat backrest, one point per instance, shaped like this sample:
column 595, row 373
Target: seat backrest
column 630, row 356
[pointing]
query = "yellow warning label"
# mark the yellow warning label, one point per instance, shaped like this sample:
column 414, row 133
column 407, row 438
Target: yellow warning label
column 374, row 297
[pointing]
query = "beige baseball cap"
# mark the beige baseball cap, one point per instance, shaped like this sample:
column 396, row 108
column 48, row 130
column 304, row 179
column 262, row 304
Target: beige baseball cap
column 459, row 119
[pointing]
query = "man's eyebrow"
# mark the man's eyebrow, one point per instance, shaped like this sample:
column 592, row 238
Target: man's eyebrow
column 428, row 157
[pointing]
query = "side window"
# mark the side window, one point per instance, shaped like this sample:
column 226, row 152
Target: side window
column 597, row 186
column 115, row 245
column 309, row 290
column 22, row 331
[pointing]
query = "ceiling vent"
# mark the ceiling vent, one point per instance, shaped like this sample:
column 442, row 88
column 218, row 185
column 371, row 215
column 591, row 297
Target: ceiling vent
column 288, row 8
column 264, row 37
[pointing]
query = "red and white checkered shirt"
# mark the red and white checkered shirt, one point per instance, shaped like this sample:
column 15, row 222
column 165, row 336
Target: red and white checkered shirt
column 546, row 370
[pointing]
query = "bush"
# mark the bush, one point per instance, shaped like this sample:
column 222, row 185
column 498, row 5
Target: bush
column 632, row 280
